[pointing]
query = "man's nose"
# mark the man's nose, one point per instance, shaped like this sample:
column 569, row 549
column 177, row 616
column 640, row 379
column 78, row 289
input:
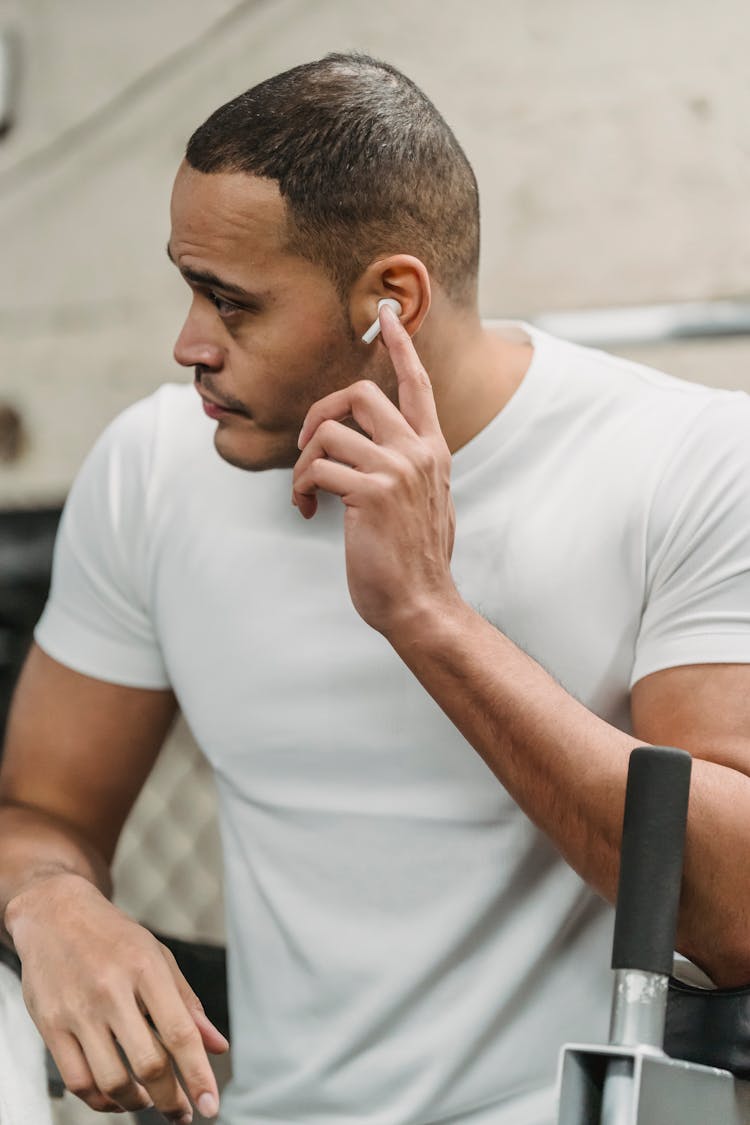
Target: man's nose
column 195, row 347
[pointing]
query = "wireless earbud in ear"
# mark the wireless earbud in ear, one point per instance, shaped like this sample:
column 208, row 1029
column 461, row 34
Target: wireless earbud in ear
column 374, row 328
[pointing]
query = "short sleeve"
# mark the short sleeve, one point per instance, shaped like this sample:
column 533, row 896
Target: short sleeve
column 697, row 605
column 97, row 619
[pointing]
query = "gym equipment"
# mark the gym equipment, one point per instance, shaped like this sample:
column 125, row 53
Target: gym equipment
column 631, row 1080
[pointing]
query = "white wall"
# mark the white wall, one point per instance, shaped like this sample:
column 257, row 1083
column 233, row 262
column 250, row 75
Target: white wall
column 611, row 143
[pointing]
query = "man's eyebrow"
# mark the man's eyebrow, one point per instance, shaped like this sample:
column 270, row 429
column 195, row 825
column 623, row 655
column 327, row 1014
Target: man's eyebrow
column 212, row 281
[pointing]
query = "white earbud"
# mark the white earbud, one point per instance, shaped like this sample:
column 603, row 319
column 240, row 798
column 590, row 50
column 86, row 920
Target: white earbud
column 374, row 328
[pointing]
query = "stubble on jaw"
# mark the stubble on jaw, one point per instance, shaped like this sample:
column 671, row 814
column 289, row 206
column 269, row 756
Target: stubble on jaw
column 351, row 366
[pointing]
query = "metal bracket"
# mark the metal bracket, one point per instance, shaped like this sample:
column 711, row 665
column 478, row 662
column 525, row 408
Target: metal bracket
column 665, row 1090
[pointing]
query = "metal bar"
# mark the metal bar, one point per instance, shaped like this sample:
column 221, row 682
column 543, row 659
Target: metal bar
column 649, row 324
column 639, row 1008
column 618, row 1094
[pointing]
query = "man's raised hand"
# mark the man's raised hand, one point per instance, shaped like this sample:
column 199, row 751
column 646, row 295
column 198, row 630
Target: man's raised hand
column 394, row 479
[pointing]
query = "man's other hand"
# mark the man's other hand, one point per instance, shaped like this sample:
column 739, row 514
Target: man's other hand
column 122, row 1023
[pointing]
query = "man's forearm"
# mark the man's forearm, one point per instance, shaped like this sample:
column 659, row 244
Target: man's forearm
column 567, row 769
column 35, row 846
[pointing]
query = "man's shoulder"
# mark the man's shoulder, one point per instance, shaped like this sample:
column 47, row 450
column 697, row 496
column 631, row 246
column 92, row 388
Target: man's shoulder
column 168, row 412
column 628, row 377
column 146, row 447
column 646, row 397
column 165, row 428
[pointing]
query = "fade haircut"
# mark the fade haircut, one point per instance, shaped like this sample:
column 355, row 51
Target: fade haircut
column 365, row 163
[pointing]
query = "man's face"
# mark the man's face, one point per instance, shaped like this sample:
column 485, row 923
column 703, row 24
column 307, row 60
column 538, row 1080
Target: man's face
column 266, row 332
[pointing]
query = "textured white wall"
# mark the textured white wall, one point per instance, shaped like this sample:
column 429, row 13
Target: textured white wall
column 611, row 144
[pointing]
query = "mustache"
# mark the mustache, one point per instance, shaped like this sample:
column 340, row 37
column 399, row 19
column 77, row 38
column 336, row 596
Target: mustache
column 204, row 380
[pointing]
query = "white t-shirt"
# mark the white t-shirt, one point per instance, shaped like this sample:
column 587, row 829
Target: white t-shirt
column 405, row 947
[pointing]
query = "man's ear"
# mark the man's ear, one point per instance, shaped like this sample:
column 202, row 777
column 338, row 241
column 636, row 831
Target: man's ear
column 400, row 276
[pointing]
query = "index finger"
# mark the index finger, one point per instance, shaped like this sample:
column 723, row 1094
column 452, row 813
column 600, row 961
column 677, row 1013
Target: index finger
column 178, row 1032
column 415, row 398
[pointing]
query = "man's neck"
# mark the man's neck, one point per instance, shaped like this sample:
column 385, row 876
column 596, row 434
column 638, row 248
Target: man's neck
column 474, row 371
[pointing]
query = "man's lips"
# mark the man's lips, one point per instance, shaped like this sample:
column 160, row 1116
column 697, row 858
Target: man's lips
column 214, row 408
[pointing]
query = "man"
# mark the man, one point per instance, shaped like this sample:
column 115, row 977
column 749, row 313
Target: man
column 411, row 938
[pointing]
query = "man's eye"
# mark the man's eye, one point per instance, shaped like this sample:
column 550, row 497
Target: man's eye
column 223, row 307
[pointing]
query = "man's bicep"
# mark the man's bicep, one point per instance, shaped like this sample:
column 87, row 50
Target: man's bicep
column 703, row 708
column 79, row 748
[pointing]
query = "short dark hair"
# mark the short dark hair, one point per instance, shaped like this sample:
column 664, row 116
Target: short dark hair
column 366, row 165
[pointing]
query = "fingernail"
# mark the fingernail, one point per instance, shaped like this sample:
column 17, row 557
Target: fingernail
column 208, row 1105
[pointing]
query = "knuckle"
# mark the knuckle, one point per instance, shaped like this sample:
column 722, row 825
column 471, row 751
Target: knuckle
column 80, row 1085
column 327, row 430
column 140, row 966
column 410, row 468
column 101, row 989
column 398, row 462
column 51, row 1023
column 424, row 460
column 143, row 958
column 150, row 1067
column 422, row 378
column 390, row 486
column 181, row 1035
column 115, row 1083
column 366, row 389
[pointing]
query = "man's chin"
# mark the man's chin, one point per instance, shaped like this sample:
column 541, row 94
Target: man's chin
column 257, row 454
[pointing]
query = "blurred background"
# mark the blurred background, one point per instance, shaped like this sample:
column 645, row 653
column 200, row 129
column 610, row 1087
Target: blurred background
column 612, row 147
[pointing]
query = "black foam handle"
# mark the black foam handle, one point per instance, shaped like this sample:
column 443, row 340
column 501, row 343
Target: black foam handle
column 653, row 838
